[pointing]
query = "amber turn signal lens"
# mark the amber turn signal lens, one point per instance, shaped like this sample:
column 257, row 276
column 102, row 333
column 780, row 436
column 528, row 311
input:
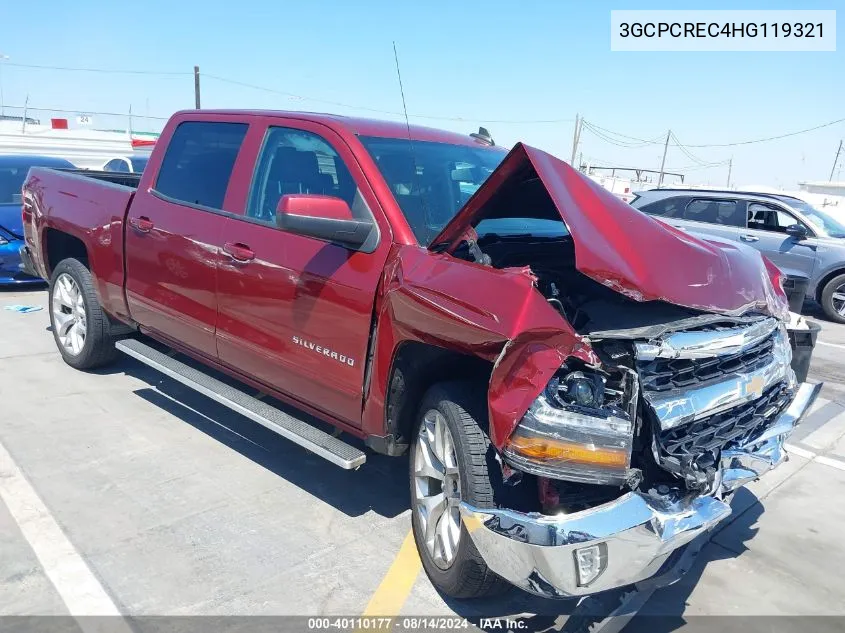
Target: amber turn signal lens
column 545, row 449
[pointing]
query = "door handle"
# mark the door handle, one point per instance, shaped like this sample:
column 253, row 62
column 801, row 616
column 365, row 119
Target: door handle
column 239, row 252
column 749, row 238
column 142, row 224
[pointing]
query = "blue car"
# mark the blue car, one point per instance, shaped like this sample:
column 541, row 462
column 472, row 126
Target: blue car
column 13, row 171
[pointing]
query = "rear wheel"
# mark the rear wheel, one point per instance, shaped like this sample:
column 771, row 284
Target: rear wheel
column 833, row 299
column 80, row 327
column 449, row 455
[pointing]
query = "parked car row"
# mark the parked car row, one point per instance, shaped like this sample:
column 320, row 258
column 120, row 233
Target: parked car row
column 13, row 171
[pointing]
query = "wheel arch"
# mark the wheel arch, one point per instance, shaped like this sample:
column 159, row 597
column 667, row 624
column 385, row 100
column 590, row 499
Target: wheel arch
column 57, row 245
column 415, row 367
column 826, row 279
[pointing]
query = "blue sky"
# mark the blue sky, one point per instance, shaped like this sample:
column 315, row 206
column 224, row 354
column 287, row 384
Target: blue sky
column 481, row 61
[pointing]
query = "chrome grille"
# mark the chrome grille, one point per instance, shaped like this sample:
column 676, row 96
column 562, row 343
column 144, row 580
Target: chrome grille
column 709, row 391
column 725, row 430
column 662, row 374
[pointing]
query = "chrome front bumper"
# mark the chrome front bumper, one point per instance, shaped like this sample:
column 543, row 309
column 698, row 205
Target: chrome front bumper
column 537, row 552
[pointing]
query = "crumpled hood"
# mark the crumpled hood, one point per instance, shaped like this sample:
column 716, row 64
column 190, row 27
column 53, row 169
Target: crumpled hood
column 624, row 249
column 10, row 218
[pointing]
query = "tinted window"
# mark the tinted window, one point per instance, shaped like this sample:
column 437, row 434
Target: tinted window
column 725, row 212
column 13, row 174
column 766, row 218
column 295, row 161
column 111, row 165
column 198, row 162
column 138, row 163
column 431, row 181
column 668, row 208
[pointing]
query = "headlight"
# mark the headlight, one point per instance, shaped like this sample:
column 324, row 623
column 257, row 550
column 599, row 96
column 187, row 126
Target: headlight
column 571, row 432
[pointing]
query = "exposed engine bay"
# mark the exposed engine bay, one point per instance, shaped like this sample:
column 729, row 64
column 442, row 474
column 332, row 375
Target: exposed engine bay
column 729, row 376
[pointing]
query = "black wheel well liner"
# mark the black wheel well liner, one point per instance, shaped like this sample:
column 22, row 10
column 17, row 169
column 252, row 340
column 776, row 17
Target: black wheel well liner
column 58, row 245
column 415, row 368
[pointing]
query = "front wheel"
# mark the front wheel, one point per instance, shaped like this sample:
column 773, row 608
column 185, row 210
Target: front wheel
column 449, row 463
column 80, row 327
column 833, row 299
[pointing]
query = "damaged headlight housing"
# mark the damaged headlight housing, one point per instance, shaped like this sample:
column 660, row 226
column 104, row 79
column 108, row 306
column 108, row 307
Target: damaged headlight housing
column 579, row 429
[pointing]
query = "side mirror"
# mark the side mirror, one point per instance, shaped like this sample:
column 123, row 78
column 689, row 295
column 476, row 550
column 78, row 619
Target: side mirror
column 798, row 231
column 322, row 217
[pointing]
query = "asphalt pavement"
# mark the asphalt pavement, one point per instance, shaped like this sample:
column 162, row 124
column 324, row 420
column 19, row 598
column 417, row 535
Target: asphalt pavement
column 125, row 492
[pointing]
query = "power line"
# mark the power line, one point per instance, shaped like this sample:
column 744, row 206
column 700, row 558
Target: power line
column 693, row 157
column 597, row 131
column 641, row 141
column 772, row 138
column 593, row 128
column 698, row 167
column 97, row 70
column 30, row 108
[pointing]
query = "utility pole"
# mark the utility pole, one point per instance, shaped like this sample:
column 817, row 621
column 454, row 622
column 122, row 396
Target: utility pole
column 580, row 160
column 2, row 107
column 835, row 160
column 576, row 134
column 25, row 106
column 197, row 87
column 730, row 167
column 663, row 162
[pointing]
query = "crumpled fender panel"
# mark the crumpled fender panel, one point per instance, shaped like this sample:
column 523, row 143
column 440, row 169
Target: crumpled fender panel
column 629, row 251
column 494, row 314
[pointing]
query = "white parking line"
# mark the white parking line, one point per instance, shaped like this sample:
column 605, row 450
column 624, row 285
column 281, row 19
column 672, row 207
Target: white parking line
column 830, row 344
column 827, row 461
column 819, row 459
column 76, row 584
column 799, row 452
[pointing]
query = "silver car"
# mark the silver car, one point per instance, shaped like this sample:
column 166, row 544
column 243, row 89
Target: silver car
column 801, row 240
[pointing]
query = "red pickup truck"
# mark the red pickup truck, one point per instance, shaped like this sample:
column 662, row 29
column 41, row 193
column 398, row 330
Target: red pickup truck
column 580, row 387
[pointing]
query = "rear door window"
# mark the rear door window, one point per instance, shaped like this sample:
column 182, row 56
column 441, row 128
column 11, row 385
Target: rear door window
column 720, row 212
column 667, row 208
column 198, row 162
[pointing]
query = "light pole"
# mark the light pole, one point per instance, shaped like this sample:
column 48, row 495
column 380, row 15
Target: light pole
column 2, row 107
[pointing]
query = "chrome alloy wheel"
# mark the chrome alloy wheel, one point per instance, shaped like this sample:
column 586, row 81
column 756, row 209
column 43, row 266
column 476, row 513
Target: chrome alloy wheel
column 838, row 300
column 69, row 318
column 437, row 489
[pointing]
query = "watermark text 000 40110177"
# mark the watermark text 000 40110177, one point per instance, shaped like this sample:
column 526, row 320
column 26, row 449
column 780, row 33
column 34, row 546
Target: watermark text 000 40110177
column 762, row 30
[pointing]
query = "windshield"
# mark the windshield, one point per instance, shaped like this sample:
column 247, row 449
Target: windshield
column 822, row 222
column 432, row 181
column 138, row 163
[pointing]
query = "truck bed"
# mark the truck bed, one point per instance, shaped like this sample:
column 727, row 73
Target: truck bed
column 83, row 211
column 114, row 177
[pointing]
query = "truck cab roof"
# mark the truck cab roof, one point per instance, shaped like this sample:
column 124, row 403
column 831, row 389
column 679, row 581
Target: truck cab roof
column 355, row 125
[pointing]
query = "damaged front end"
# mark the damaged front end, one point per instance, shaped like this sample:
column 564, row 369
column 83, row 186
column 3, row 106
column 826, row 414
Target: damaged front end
column 688, row 417
column 682, row 391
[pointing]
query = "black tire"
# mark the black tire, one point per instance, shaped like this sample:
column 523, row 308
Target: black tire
column 464, row 408
column 827, row 299
column 98, row 348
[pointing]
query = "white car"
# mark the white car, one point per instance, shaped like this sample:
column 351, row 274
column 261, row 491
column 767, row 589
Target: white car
column 132, row 164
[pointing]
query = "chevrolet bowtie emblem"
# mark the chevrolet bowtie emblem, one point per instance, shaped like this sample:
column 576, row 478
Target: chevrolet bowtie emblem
column 755, row 386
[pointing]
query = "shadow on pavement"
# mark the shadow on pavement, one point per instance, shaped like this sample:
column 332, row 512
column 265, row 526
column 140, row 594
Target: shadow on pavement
column 381, row 485
column 664, row 612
